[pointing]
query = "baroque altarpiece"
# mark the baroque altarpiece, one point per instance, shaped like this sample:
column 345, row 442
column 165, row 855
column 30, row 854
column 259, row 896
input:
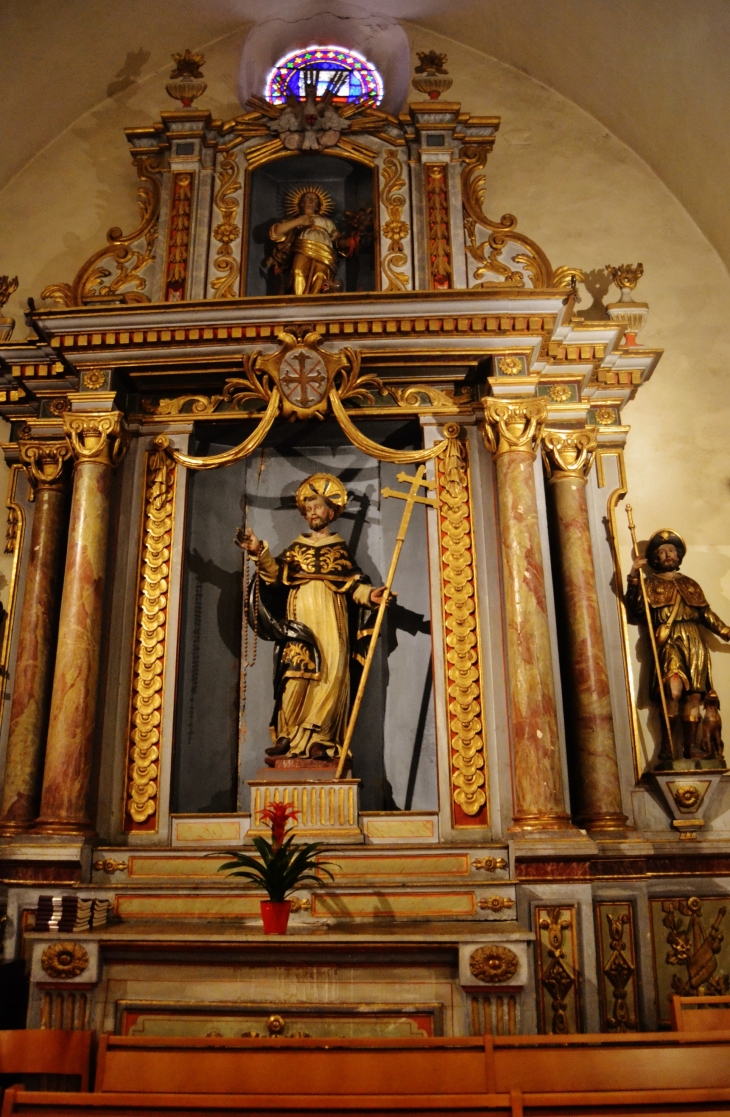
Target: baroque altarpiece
column 337, row 302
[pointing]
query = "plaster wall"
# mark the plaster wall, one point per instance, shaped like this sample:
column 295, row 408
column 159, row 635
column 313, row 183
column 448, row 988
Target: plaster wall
column 584, row 196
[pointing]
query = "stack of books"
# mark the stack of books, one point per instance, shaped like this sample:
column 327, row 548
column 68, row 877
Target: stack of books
column 70, row 914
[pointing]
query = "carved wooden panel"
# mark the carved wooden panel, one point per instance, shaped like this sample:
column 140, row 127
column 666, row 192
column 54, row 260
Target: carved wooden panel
column 690, row 947
column 618, row 994
column 558, row 978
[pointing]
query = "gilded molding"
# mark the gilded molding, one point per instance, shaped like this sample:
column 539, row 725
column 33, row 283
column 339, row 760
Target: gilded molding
column 513, row 426
column 14, row 537
column 120, row 251
column 568, row 453
column 44, row 462
column 459, row 602
column 96, row 436
column 395, row 230
column 437, row 225
column 227, row 231
column 153, row 584
column 178, row 237
column 151, row 637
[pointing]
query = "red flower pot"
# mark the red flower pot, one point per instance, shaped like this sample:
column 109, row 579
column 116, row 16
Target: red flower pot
column 275, row 914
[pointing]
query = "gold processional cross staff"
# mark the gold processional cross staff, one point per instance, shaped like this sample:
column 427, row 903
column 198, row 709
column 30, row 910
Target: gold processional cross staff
column 410, row 498
column 650, row 626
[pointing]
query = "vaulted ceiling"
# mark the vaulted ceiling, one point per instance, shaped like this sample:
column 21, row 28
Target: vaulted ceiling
column 655, row 73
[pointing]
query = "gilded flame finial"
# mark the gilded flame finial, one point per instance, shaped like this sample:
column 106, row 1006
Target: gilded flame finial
column 186, row 80
column 626, row 311
column 435, row 80
column 625, row 276
column 7, row 287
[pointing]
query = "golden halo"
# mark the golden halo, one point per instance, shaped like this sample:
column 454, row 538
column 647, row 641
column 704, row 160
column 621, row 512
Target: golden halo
column 295, row 195
column 324, row 485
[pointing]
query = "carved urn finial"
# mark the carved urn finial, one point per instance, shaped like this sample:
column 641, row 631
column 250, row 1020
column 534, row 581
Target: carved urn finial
column 630, row 314
column 7, row 287
column 435, row 80
column 186, row 82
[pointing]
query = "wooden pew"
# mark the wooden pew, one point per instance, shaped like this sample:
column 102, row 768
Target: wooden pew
column 700, row 1014
column 526, row 1076
column 48, row 1053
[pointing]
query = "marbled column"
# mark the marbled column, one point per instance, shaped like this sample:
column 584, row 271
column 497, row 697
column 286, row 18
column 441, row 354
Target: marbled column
column 596, row 791
column 44, row 462
column 512, row 431
column 97, row 444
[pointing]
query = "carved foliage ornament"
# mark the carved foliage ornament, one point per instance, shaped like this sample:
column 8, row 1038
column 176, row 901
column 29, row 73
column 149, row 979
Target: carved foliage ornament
column 493, row 964
column 227, row 232
column 556, row 977
column 151, row 635
column 65, row 960
column 458, row 582
column 395, row 229
column 129, row 256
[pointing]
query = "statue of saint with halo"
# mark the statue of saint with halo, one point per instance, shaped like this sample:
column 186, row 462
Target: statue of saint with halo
column 317, row 606
column 307, row 243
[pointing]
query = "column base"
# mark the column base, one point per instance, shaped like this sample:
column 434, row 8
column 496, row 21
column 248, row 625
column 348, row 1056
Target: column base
column 67, row 827
column 527, row 823
column 12, row 829
column 603, row 823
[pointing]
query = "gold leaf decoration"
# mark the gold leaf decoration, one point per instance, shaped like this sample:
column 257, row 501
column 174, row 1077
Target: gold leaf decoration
column 151, row 634
column 65, row 960
column 395, row 228
column 493, row 964
column 458, row 585
column 227, row 232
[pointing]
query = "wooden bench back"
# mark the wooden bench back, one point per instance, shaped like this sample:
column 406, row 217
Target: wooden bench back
column 46, row 1052
column 529, row 1064
column 700, row 1014
column 281, row 1066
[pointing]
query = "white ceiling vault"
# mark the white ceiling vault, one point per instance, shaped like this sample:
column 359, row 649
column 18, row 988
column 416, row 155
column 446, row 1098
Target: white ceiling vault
column 655, row 73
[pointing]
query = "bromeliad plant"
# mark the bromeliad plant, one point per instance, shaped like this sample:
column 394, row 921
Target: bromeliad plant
column 284, row 866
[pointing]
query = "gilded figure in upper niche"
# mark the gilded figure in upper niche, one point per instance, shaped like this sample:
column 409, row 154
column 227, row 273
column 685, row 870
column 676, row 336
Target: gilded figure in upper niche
column 307, row 244
column 679, row 613
column 317, row 605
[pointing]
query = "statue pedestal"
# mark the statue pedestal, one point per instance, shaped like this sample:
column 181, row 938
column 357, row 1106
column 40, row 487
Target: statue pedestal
column 328, row 808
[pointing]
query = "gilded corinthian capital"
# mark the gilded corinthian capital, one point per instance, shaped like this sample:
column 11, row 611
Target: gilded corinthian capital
column 43, row 463
column 513, row 426
column 96, row 437
column 568, row 453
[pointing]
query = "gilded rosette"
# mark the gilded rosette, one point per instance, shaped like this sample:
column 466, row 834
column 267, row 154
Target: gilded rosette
column 151, row 635
column 463, row 675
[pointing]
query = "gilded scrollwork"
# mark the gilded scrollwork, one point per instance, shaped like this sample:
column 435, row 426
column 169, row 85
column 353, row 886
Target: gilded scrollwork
column 438, row 225
column 96, row 437
column 227, row 232
column 151, row 636
column 395, row 229
column 513, row 425
column 129, row 255
column 556, row 971
column 458, row 582
column 568, row 452
column 44, row 462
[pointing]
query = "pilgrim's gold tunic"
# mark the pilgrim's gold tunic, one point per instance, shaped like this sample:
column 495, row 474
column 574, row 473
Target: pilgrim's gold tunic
column 320, row 574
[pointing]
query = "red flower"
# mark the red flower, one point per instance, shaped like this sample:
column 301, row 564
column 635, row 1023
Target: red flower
column 278, row 816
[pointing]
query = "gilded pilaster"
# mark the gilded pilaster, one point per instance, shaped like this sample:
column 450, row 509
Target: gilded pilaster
column 97, row 442
column 44, row 464
column 596, row 791
column 512, row 432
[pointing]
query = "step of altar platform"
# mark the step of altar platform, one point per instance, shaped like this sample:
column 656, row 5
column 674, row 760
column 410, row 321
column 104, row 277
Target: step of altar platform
column 397, row 883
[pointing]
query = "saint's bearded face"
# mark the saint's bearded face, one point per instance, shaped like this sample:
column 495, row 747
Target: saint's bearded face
column 318, row 513
column 666, row 558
